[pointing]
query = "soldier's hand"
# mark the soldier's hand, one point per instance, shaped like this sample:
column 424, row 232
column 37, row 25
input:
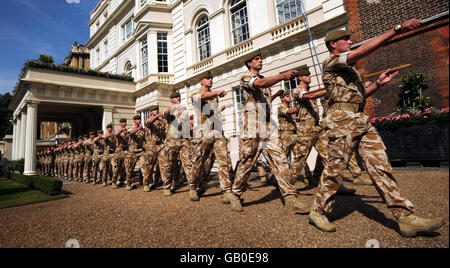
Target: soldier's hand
column 289, row 75
column 387, row 77
column 222, row 93
column 411, row 25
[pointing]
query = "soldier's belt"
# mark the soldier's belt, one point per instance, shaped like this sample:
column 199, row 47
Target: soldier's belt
column 344, row 106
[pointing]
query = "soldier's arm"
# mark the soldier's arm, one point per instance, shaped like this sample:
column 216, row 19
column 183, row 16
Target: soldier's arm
column 384, row 78
column 213, row 94
column 154, row 118
column 266, row 82
column 314, row 95
column 379, row 41
column 276, row 95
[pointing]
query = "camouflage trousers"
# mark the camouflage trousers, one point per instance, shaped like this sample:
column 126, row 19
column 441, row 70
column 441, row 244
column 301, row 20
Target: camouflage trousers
column 95, row 171
column 87, row 167
column 205, row 151
column 66, row 167
column 106, row 168
column 348, row 132
column 70, row 169
column 168, row 161
column 117, row 166
column 250, row 149
column 150, row 161
column 130, row 161
column 78, row 169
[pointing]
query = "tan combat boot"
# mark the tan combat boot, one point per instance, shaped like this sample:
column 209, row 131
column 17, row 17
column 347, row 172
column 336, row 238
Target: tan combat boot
column 146, row 188
column 362, row 181
column 167, row 192
column 321, row 222
column 129, row 188
column 193, row 195
column 236, row 203
column 104, row 184
column 411, row 225
column 227, row 198
column 293, row 206
column 114, row 186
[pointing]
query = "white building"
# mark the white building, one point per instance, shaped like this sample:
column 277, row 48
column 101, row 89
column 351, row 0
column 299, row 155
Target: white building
column 166, row 44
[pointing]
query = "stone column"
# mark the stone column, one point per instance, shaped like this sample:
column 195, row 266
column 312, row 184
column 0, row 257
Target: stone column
column 17, row 138
column 22, row 135
column 14, row 139
column 107, row 116
column 31, row 136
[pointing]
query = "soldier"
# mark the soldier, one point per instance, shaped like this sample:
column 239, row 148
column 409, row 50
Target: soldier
column 78, row 164
column 259, row 133
column 211, row 141
column 99, row 148
column 177, row 144
column 117, row 161
column 155, row 134
column 135, row 150
column 88, row 152
column 110, row 147
column 348, row 129
column 71, row 159
column 310, row 132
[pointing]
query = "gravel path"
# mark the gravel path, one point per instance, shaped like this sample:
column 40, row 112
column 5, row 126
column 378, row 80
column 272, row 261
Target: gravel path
column 99, row 217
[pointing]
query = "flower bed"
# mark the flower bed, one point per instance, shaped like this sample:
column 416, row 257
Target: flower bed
column 417, row 136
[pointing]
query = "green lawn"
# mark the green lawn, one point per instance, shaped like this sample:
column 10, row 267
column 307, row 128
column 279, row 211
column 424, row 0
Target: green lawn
column 14, row 194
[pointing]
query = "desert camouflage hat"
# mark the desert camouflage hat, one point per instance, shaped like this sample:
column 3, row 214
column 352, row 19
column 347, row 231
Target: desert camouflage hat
column 336, row 35
column 206, row 75
column 92, row 133
column 137, row 117
column 251, row 56
column 109, row 126
column 304, row 72
column 286, row 93
column 100, row 131
column 175, row 94
column 153, row 107
column 123, row 120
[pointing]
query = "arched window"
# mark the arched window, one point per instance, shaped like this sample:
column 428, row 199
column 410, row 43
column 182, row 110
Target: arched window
column 239, row 21
column 288, row 9
column 204, row 40
column 128, row 70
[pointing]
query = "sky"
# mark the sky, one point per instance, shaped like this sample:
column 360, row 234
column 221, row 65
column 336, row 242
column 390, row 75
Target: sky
column 29, row 28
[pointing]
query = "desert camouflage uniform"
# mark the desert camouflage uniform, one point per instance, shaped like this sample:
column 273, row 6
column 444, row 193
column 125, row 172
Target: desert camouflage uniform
column 105, row 164
column 177, row 145
column 135, row 153
column 99, row 149
column 210, row 144
column 70, row 171
column 87, row 168
column 155, row 135
column 349, row 129
column 117, row 161
column 259, row 134
column 78, row 173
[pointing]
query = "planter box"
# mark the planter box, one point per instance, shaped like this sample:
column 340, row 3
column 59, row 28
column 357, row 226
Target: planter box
column 424, row 142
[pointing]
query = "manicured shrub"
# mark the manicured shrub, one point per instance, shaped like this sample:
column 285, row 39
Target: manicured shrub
column 50, row 186
column 25, row 180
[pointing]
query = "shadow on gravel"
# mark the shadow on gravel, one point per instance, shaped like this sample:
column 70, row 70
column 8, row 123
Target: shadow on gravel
column 346, row 205
column 273, row 195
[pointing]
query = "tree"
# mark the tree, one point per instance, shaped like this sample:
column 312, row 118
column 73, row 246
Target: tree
column 5, row 115
column 46, row 59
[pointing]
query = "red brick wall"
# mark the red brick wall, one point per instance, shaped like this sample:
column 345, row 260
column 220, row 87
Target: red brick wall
column 426, row 48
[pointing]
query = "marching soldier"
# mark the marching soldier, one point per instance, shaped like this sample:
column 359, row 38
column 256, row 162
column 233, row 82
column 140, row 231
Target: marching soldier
column 99, row 148
column 177, row 144
column 110, row 147
column 88, row 152
column 155, row 134
column 349, row 129
column 259, row 134
column 117, row 161
column 78, row 164
column 135, row 150
column 71, row 153
column 211, row 141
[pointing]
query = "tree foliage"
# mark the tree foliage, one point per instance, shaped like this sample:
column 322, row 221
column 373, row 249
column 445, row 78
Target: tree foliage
column 46, row 59
column 5, row 115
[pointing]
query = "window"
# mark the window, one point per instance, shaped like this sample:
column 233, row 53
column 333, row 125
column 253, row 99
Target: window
column 129, row 69
column 204, row 42
column 144, row 57
column 145, row 115
column 97, row 53
column 105, row 49
column 288, row 9
column 127, row 30
column 239, row 103
column 163, row 60
column 239, row 21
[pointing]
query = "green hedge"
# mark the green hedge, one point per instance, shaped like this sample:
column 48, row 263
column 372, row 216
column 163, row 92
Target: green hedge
column 16, row 166
column 50, row 186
